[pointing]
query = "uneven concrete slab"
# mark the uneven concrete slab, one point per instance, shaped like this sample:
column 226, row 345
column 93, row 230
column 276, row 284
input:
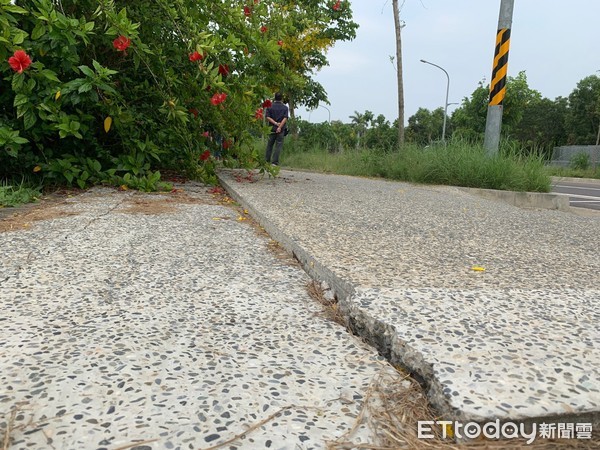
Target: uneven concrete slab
column 163, row 321
column 517, row 341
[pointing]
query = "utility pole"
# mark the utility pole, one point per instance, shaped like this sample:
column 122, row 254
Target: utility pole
column 398, row 26
column 493, row 123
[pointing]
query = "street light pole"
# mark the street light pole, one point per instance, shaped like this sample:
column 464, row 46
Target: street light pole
column 328, row 112
column 446, row 103
column 321, row 106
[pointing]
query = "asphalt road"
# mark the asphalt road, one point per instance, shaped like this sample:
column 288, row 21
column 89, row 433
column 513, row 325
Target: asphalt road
column 581, row 194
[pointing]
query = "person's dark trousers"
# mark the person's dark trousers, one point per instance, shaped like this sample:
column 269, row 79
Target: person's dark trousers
column 277, row 140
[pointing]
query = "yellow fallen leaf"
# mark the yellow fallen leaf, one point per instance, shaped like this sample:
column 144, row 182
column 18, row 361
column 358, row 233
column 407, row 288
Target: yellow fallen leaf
column 57, row 96
column 245, row 211
column 124, row 187
column 242, row 218
column 449, row 430
column 107, row 123
column 478, row 269
column 37, row 169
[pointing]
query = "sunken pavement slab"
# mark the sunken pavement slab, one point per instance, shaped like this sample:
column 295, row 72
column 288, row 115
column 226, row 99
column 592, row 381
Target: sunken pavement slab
column 145, row 321
column 519, row 340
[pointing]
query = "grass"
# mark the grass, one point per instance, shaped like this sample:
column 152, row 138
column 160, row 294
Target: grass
column 556, row 171
column 456, row 164
column 13, row 194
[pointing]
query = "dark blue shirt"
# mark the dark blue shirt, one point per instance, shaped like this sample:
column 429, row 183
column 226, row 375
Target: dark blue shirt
column 278, row 111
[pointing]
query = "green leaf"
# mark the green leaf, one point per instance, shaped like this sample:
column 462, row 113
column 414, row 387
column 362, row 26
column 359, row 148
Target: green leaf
column 19, row 37
column 87, row 71
column 89, row 26
column 50, row 75
column 17, row 81
column 14, row 9
column 85, row 87
column 20, row 99
column 29, row 119
column 38, row 31
column 20, row 140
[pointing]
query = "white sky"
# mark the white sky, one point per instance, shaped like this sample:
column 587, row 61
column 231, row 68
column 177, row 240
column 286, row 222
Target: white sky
column 557, row 43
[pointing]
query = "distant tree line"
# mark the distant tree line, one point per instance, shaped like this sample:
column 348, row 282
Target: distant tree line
column 532, row 122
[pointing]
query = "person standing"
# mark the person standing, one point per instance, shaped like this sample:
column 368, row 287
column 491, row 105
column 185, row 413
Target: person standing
column 277, row 116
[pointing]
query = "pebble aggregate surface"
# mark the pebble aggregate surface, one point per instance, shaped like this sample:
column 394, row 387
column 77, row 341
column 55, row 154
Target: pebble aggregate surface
column 150, row 321
column 518, row 338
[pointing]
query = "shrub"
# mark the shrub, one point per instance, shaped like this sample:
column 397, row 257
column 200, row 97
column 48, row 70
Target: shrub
column 98, row 90
column 580, row 161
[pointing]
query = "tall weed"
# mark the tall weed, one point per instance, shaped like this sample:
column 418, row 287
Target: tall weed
column 457, row 164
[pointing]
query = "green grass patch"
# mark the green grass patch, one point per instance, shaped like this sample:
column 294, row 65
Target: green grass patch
column 13, row 194
column 456, row 164
column 556, row 171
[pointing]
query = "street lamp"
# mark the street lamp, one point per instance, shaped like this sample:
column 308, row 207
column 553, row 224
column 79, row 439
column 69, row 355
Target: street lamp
column 447, row 91
column 320, row 106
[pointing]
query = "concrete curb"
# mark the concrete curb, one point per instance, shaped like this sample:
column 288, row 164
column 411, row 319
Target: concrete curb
column 524, row 199
column 376, row 332
column 314, row 268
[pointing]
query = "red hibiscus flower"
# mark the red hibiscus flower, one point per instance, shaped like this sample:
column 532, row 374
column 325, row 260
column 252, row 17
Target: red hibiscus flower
column 205, row 155
column 206, row 134
column 267, row 103
column 19, row 61
column 194, row 111
column 224, row 69
column 263, row 29
column 337, row 5
column 280, row 42
column 247, row 11
column 121, row 43
column 226, row 144
column 196, row 57
column 217, row 99
column 259, row 113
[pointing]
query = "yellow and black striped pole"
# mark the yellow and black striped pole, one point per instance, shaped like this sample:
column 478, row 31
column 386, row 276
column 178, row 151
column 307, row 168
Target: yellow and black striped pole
column 493, row 123
column 500, row 69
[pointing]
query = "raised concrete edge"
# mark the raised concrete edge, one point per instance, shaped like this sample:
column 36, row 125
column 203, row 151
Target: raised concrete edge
column 377, row 332
column 539, row 200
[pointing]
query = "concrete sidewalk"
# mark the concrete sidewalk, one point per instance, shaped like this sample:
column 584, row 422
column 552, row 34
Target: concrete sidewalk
column 163, row 321
column 518, row 341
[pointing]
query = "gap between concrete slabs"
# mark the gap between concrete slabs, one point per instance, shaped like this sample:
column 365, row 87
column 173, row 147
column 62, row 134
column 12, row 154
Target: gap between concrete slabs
column 377, row 333
column 383, row 335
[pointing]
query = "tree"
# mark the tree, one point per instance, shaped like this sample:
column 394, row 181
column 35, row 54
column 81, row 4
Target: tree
column 111, row 90
column 381, row 135
column 542, row 126
column 583, row 117
column 360, row 123
column 425, row 126
column 518, row 97
column 469, row 119
column 306, row 30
